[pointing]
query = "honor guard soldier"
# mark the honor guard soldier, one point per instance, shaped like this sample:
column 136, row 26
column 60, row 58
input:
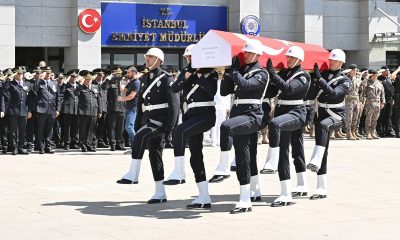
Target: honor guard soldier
column 352, row 104
column 333, row 86
column 69, row 110
column 286, row 128
column 396, row 98
column 115, row 110
column 373, row 97
column 101, row 126
column 199, row 88
column 32, row 123
column 47, row 100
column 158, row 114
column 18, row 110
column 248, row 83
column 88, row 111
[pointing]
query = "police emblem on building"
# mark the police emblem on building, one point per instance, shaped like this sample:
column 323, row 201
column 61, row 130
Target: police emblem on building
column 251, row 25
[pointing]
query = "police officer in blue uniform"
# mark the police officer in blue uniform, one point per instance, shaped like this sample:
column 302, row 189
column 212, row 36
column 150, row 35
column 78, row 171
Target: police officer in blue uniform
column 32, row 123
column 4, row 130
column 248, row 83
column 88, row 110
column 47, row 99
column 115, row 110
column 158, row 115
column 286, row 128
column 69, row 110
column 101, row 123
column 332, row 88
column 18, row 110
column 199, row 88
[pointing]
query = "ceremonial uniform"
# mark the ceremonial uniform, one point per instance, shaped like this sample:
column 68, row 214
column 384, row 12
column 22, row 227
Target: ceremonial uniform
column 332, row 89
column 4, row 103
column 32, row 123
column 115, row 112
column 286, row 128
column 88, row 109
column 384, row 124
column 69, row 110
column 18, row 112
column 157, row 114
column 47, row 100
column 101, row 126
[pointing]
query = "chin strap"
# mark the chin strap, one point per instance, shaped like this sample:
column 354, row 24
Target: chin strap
column 295, row 64
column 151, row 67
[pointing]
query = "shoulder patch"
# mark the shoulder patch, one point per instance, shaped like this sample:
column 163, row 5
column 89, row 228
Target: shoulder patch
column 347, row 84
column 303, row 79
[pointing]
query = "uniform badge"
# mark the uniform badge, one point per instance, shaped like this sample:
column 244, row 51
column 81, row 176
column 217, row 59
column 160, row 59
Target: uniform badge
column 25, row 88
column 330, row 76
column 303, row 79
column 151, row 75
column 54, row 88
column 95, row 90
column 347, row 84
column 158, row 83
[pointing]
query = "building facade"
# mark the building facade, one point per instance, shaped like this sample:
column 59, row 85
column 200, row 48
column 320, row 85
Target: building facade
column 35, row 30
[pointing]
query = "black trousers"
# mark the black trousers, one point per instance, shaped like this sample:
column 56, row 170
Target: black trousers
column 4, row 131
column 101, row 129
column 384, row 124
column 45, row 129
column 70, row 129
column 32, row 129
column 153, row 136
column 115, row 127
column 310, row 114
column 57, row 130
column 237, row 132
column 17, row 126
column 192, row 129
column 281, row 129
column 87, row 126
column 396, row 119
column 324, row 125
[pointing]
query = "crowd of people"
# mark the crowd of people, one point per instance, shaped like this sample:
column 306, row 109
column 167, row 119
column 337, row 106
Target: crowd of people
column 235, row 109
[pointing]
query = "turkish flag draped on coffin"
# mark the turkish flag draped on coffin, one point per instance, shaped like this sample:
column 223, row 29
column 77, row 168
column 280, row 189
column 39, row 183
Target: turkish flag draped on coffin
column 214, row 48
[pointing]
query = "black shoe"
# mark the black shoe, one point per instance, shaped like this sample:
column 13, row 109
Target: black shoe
column 318, row 196
column 90, row 149
column 233, row 168
column 74, row 146
column 112, row 148
column 267, row 171
column 154, row 201
column 390, row 134
column 127, row 144
column 240, row 210
column 41, row 151
column 29, row 147
column 126, row 181
column 4, row 150
column 22, row 151
column 281, row 204
column 14, row 152
column 66, row 147
column 299, row 194
column 48, row 150
column 398, row 135
column 120, row 147
column 84, row 149
column 174, row 182
column 218, row 178
column 199, row 206
column 102, row 145
column 312, row 167
column 255, row 199
column 36, row 148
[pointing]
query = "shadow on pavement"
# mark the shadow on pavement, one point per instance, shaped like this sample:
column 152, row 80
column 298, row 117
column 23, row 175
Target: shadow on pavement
column 173, row 209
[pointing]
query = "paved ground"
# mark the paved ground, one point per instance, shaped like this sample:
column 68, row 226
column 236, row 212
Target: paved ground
column 73, row 196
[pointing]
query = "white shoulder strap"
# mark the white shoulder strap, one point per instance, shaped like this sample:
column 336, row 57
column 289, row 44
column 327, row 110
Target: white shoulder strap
column 192, row 91
column 329, row 83
column 152, row 84
column 290, row 79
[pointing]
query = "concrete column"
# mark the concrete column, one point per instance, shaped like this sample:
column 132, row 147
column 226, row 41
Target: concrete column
column 85, row 50
column 240, row 9
column 7, row 33
column 312, row 22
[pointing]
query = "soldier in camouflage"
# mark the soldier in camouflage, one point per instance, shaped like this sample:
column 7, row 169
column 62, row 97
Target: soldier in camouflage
column 352, row 104
column 373, row 96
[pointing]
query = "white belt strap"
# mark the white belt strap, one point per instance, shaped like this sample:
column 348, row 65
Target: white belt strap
column 152, row 84
column 290, row 102
column 267, row 100
column 200, row 104
column 327, row 106
column 246, row 101
column 310, row 102
column 154, row 107
column 330, row 83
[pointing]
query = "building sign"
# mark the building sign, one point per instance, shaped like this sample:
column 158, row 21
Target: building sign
column 250, row 25
column 89, row 21
column 164, row 25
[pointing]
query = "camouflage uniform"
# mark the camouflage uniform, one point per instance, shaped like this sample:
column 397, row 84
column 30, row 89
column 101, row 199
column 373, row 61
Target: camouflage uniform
column 373, row 95
column 353, row 107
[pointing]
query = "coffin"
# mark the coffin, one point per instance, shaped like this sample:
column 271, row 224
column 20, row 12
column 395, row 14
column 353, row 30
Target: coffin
column 217, row 48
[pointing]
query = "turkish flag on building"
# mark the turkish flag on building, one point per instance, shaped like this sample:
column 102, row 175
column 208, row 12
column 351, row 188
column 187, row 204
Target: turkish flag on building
column 217, row 48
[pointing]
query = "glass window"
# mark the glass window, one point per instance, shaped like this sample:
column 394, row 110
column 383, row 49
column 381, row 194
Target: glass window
column 123, row 59
column 392, row 59
column 140, row 58
column 105, row 60
column 171, row 61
